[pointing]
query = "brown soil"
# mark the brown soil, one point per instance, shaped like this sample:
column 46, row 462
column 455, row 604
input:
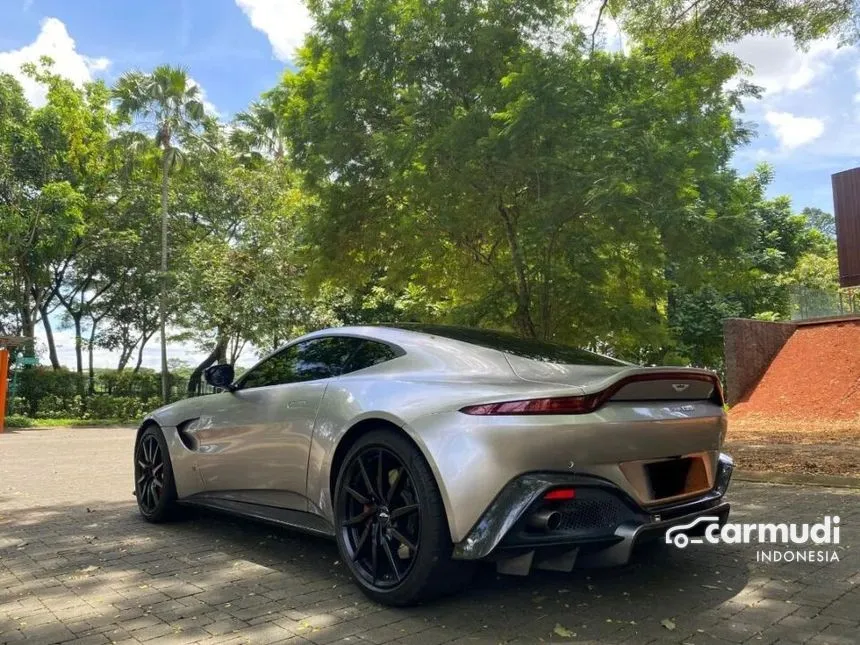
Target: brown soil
column 816, row 375
column 794, row 446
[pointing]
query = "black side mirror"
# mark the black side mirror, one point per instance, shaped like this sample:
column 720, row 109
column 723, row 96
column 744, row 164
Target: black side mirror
column 220, row 376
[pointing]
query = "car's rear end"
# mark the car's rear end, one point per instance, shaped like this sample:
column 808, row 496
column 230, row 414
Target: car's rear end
column 579, row 461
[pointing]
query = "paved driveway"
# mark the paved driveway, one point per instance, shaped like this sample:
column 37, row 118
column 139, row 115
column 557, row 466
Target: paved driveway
column 77, row 564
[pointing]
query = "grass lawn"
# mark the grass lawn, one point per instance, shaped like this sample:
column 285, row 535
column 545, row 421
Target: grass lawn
column 808, row 446
column 26, row 422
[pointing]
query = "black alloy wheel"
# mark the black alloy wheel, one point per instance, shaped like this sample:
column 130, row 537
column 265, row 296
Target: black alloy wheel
column 149, row 473
column 154, row 487
column 390, row 522
column 383, row 520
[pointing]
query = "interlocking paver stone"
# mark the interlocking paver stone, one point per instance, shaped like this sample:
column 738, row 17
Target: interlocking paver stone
column 77, row 564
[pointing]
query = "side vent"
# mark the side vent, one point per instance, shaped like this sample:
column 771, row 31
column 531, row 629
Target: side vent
column 187, row 439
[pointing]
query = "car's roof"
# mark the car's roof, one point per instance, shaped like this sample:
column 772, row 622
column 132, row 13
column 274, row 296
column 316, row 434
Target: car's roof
column 506, row 342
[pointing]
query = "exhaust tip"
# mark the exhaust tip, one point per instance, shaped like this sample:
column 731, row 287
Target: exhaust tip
column 545, row 520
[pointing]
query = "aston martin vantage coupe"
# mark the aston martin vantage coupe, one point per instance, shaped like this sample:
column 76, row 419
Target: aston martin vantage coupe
column 423, row 449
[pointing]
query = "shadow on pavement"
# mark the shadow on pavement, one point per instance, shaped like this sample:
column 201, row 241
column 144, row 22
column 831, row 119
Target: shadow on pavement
column 71, row 571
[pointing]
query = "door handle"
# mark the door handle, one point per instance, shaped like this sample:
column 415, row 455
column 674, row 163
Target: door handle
column 298, row 404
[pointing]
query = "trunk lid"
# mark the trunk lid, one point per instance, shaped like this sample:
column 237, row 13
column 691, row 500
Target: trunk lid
column 623, row 382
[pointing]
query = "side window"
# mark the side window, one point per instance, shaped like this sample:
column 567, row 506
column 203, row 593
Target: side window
column 275, row 370
column 308, row 361
column 323, row 357
column 369, row 353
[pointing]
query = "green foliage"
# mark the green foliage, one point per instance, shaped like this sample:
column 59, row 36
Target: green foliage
column 713, row 21
column 123, row 408
column 141, row 385
column 18, row 421
column 475, row 163
column 821, row 221
column 38, row 383
column 47, row 393
column 62, row 422
column 540, row 190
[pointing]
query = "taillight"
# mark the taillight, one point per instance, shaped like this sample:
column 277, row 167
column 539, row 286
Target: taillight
column 556, row 405
column 589, row 402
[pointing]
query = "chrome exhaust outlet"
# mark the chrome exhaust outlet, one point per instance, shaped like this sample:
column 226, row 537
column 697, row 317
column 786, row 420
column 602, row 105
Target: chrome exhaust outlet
column 545, row 520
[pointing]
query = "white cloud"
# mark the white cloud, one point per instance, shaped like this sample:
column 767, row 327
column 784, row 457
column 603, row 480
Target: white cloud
column 54, row 41
column 779, row 66
column 793, row 131
column 857, row 95
column 285, row 23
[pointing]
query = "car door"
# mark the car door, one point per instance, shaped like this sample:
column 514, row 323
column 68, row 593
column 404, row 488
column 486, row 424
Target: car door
column 255, row 447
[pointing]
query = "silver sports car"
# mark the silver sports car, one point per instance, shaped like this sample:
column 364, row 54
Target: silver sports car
column 422, row 449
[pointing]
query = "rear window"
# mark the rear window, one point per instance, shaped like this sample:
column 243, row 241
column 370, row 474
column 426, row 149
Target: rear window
column 510, row 344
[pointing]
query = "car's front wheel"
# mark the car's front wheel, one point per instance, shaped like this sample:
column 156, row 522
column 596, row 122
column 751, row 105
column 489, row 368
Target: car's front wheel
column 154, row 487
column 390, row 522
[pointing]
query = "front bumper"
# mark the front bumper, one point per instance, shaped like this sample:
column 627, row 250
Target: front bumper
column 601, row 527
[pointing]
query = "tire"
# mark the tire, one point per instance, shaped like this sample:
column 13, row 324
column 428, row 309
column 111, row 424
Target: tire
column 154, row 486
column 409, row 517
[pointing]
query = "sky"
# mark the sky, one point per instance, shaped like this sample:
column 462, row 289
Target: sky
column 807, row 122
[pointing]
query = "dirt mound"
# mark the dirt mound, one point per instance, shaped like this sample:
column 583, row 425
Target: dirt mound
column 816, row 375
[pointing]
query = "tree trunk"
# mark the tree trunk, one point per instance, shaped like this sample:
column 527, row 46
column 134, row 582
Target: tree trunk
column 91, row 386
column 217, row 354
column 28, row 317
column 79, row 343
column 143, row 341
column 522, row 315
column 49, row 335
column 124, row 356
column 139, row 359
column 162, row 299
column 28, row 330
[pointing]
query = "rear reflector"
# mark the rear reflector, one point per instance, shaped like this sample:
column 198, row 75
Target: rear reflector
column 560, row 494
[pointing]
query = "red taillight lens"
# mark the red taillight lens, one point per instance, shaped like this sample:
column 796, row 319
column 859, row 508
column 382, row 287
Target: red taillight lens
column 559, row 405
column 560, row 494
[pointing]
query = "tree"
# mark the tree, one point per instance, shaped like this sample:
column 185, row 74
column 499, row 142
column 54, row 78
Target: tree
column 47, row 187
column 539, row 188
column 261, row 129
column 821, row 221
column 715, row 21
column 240, row 280
column 168, row 102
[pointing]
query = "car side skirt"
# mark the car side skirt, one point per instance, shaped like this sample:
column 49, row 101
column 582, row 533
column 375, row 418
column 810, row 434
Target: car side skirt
column 298, row 520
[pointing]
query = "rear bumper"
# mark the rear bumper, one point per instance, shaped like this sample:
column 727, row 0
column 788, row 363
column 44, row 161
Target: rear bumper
column 601, row 528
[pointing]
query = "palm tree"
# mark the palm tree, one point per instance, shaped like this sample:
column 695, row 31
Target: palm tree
column 261, row 129
column 169, row 103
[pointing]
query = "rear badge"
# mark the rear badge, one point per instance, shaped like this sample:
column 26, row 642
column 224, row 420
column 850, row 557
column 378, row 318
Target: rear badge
column 680, row 387
column 680, row 410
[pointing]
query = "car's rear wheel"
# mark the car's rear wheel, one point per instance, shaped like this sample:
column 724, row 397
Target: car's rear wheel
column 154, row 487
column 390, row 522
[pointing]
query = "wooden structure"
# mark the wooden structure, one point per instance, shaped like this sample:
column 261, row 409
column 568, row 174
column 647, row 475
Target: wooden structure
column 6, row 343
column 846, row 208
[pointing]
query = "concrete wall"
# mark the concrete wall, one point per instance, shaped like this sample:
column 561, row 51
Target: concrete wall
column 750, row 347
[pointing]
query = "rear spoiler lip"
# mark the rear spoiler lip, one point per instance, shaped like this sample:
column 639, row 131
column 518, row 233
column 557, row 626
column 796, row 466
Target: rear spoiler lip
column 593, row 401
column 606, row 391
